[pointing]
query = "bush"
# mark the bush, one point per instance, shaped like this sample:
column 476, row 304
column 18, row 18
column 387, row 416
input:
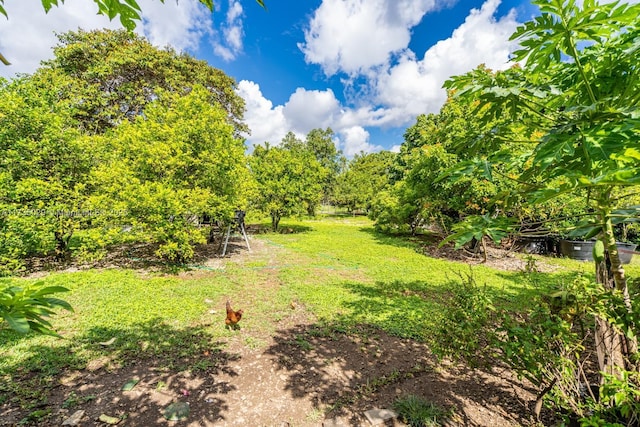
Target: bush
column 549, row 345
column 468, row 323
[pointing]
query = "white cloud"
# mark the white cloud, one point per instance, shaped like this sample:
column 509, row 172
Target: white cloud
column 412, row 86
column 28, row 36
column 232, row 33
column 355, row 140
column 368, row 40
column 267, row 123
column 305, row 110
column 393, row 95
column 352, row 36
column 310, row 109
column 178, row 24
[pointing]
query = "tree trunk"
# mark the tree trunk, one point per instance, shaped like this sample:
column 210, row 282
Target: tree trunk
column 62, row 244
column 613, row 348
column 275, row 221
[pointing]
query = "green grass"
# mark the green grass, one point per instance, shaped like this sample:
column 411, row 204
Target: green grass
column 338, row 268
column 417, row 412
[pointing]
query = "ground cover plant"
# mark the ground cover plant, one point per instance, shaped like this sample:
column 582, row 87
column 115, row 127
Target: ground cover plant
column 323, row 299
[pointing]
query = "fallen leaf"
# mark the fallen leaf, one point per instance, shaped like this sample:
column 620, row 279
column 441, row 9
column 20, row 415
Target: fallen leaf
column 177, row 411
column 109, row 420
column 129, row 385
column 74, row 419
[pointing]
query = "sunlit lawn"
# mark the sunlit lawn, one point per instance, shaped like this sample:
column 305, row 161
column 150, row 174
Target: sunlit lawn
column 339, row 269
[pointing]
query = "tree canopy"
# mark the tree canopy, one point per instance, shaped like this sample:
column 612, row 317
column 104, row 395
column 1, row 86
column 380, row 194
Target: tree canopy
column 115, row 134
column 170, row 167
column 114, row 74
column 365, row 176
column 288, row 181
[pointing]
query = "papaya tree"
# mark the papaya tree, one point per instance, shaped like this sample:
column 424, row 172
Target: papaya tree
column 573, row 98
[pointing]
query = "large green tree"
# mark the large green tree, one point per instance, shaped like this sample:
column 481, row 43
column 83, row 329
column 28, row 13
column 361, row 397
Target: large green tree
column 417, row 196
column 115, row 74
column 169, row 167
column 319, row 143
column 576, row 97
column 43, row 170
column 288, row 181
column 366, row 175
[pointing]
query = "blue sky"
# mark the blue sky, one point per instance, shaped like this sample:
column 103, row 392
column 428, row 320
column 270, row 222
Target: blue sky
column 365, row 68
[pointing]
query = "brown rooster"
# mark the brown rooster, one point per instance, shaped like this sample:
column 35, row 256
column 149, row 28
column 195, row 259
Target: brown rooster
column 233, row 317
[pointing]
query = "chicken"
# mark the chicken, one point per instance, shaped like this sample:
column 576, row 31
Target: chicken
column 233, row 317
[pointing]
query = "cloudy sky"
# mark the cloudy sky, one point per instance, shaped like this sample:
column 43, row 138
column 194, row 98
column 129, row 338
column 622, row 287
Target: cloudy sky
column 365, row 68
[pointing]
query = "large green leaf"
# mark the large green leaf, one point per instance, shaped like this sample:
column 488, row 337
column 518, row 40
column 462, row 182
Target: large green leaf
column 17, row 322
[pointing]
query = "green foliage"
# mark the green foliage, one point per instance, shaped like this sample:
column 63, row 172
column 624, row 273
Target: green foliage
column 115, row 134
column 576, row 100
column 580, row 116
column 546, row 344
column 464, row 333
column 319, row 143
column 27, row 308
column 45, row 167
column 288, row 181
column 476, row 227
column 365, row 176
column 114, row 75
column 164, row 195
column 429, row 150
column 417, row 412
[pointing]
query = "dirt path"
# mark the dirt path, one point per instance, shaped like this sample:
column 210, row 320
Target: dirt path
column 305, row 375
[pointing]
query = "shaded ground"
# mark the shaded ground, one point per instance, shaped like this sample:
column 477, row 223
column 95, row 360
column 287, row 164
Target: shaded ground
column 508, row 257
column 307, row 373
column 303, row 374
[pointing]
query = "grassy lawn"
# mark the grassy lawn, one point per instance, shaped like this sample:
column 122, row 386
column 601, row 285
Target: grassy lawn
column 339, row 269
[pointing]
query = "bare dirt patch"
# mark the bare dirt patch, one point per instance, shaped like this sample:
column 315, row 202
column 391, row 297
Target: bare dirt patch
column 507, row 257
column 304, row 374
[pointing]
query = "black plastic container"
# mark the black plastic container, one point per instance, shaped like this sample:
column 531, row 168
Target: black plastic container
column 583, row 251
